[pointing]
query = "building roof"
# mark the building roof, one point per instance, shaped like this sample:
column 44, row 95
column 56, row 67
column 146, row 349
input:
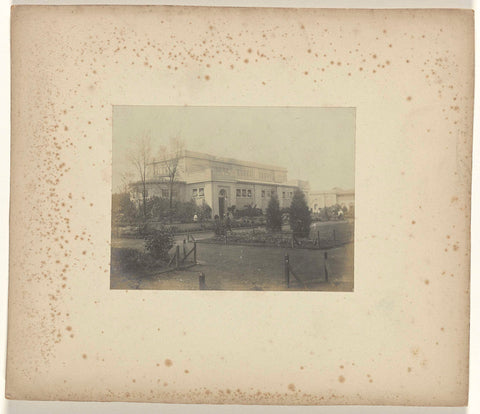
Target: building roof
column 225, row 160
column 335, row 190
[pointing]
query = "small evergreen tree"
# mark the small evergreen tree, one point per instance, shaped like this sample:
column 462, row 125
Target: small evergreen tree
column 300, row 218
column 274, row 216
column 158, row 243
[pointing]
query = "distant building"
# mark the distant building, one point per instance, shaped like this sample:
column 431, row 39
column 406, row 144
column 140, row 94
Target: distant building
column 321, row 199
column 221, row 182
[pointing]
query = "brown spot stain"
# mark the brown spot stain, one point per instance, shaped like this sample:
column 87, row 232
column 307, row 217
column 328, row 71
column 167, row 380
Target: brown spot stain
column 341, row 379
column 291, row 387
column 409, row 98
column 168, row 363
column 84, row 356
column 427, row 281
column 413, row 221
column 68, row 328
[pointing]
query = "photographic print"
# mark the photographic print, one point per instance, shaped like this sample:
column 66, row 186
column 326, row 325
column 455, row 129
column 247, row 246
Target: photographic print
column 240, row 205
column 233, row 198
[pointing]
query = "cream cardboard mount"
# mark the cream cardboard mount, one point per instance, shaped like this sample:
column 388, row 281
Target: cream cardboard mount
column 400, row 338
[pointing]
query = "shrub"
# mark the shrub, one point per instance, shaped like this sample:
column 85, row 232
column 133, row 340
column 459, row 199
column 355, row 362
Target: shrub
column 184, row 211
column 300, row 218
column 158, row 244
column 274, row 215
column 204, row 211
column 220, row 228
column 248, row 211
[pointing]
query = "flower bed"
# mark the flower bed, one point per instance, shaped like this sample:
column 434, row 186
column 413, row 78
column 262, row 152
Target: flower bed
column 261, row 237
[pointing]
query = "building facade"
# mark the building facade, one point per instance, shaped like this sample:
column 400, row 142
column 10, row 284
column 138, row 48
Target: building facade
column 220, row 182
column 321, row 199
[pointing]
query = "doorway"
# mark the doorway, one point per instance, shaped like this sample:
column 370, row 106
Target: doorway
column 221, row 203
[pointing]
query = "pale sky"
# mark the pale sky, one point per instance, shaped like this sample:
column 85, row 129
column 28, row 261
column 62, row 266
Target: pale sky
column 314, row 144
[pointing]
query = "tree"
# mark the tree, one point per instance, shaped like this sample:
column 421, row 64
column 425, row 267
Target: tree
column 140, row 156
column 274, row 216
column 170, row 160
column 300, row 218
column 123, row 209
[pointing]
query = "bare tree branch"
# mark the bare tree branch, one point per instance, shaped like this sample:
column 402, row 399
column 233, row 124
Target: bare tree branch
column 140, row 157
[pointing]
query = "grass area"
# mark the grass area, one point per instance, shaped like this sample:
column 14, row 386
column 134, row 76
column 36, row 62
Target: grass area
column 251, row 268
column 245, row 266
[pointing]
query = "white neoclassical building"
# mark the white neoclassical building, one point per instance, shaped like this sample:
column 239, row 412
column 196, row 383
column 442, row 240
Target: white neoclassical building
column 222, row 182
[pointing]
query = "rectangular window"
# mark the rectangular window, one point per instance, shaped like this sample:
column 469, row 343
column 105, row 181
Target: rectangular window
column 283, row 194
column 201, row 192
column 244, row 193
column 249, row 193
column 263, row 193
column 194, row 192
column 164, row 193
column 239, row 192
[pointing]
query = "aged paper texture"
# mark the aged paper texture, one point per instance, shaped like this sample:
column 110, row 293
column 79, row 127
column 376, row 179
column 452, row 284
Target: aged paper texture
column 398, row 337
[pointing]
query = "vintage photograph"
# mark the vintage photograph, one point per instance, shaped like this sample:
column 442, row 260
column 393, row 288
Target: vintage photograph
column 233, row 198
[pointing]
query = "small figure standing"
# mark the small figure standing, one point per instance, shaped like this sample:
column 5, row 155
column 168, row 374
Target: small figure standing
column 195, row 218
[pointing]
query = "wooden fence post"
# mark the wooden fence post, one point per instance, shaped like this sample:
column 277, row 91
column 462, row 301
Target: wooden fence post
column 201, row 281
column 195, row 252
column 325, row 255
column 226, row 237
column 184, row 249
column 287, row 270
column 318, row 238
column 177, row 256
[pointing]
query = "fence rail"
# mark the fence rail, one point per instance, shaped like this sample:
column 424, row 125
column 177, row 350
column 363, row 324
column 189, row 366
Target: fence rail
column 179, row 261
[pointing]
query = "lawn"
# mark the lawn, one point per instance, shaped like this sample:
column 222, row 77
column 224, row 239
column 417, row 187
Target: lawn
column 235, row 267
